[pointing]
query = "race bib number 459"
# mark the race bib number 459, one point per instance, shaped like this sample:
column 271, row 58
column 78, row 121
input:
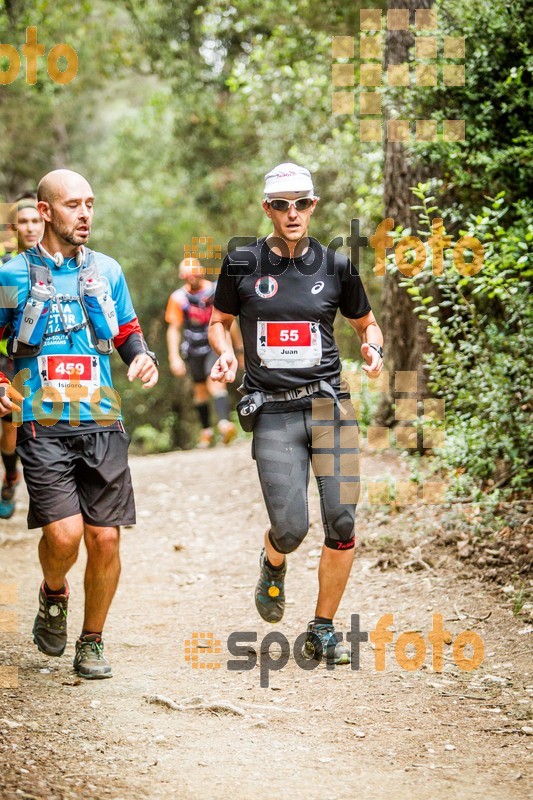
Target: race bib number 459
column 62, row 371
column 289, row 345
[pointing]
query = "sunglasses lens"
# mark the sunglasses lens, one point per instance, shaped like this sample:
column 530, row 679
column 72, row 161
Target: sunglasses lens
column 283, row 205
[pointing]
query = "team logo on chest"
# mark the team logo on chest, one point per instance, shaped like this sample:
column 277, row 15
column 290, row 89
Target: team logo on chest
column 266, row 287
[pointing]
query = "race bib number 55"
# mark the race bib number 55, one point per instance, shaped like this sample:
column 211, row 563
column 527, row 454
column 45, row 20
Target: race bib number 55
column 62, row 371
column 289, row 345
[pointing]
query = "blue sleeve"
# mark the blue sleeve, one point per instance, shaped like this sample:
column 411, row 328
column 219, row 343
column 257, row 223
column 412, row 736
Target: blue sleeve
column 121, row 296
column 119, row 290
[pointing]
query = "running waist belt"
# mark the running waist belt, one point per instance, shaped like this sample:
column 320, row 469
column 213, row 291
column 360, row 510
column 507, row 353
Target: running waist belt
column 249, row 407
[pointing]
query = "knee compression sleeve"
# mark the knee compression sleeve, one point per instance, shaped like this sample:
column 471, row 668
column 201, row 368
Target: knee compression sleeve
column 286, row 542
column 342, row 530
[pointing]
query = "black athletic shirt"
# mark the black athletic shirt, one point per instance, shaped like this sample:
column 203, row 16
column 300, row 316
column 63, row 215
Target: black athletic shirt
column 259, row 286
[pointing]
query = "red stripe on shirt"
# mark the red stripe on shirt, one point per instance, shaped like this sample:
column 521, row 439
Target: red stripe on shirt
column 126, row 330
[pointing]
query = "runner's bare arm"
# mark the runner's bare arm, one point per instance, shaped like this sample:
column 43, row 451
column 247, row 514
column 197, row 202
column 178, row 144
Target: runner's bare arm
column 369, row 332
column 238, row 346
column 177, row 365
column 226, row 365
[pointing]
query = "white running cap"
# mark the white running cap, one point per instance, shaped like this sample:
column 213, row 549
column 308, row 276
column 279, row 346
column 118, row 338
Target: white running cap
column 289, row 178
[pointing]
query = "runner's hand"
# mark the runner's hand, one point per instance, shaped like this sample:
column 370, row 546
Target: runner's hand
column 9, row 399
column 177, row 367
column 143, row 367
column 225, row 368
column 374, row 362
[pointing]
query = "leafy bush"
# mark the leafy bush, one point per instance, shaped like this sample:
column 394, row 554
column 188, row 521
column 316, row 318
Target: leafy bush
column 494, row 102
column 481, row 327
column 365, row 401
column 146, row 439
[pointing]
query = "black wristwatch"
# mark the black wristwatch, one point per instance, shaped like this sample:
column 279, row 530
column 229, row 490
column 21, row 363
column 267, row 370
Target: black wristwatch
column 152, row 356
column 377, row 348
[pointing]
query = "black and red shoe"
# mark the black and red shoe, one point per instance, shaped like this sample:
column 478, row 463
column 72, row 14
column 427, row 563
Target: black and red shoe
column 50, row 626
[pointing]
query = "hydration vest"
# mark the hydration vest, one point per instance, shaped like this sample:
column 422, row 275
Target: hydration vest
column 196, row 315
column 40, row 272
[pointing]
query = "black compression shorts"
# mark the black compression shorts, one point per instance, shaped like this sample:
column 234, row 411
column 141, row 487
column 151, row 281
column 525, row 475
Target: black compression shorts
column 200, row 366
column 285, row 444
column 85, row 474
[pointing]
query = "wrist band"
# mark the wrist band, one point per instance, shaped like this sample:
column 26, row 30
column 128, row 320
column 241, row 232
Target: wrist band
column 133, row 346
column 377, row 348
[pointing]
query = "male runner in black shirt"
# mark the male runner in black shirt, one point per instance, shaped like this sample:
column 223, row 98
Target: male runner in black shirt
column 286, row 289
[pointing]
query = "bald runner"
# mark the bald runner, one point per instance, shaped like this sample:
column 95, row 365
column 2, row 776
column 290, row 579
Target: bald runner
column 73, row 308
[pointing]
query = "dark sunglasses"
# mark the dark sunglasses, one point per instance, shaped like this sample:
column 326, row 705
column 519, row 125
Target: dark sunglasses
column 280, row 204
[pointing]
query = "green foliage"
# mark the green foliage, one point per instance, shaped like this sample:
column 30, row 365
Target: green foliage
column 48, row 125
column 232, row 91
column 251, row 88
column 146, row 439
column 481, row 327
column 144, row 215
column 178, row 110
column 495, row 103
column 521, row 597
column 366, row 401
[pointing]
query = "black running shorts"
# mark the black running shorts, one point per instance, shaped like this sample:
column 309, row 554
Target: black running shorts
column 85, row 474
column 200, row 366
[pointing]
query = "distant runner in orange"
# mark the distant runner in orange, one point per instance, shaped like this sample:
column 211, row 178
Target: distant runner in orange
column 188, row 313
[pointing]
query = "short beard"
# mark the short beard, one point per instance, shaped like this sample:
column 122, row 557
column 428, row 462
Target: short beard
column 66, row 236
column 70, row 238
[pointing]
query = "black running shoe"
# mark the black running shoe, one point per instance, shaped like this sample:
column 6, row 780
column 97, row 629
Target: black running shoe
column 7, row 509
column 8, row 487
column 50, row 626
column 89, row 661
column 269, row 592
column 322, row 643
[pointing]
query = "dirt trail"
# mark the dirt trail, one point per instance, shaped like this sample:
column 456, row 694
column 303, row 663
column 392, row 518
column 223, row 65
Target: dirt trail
column 191, row 565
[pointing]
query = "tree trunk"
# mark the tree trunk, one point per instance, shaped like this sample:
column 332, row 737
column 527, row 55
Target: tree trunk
column 406, row 339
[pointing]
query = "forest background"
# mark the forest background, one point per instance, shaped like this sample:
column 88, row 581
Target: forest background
column 178, row 110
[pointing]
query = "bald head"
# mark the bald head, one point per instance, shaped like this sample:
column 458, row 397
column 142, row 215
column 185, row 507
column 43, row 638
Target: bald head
column 62, row 183
column 66, row 203
column 190, row 267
